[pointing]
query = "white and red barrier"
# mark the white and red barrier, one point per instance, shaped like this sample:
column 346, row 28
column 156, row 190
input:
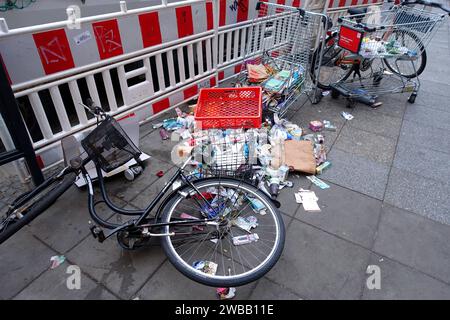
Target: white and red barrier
column 41, row 60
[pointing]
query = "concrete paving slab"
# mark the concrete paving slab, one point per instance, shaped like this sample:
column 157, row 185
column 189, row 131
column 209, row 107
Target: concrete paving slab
column 148, row 194
column 52, row 285
column 23, row 258
column 123, row 272
column 415, row 241
column 434, row 87
column 394, row 105
column 327, row 109
column 63, row 226
column 168, row 282
column 422, row 161
column 425, row 136
column 428, row 117
column 424, row 196
column 375, row 121
column 433, row 101
column 437, row 68
column 153, row 145
column 365, row 144
column 128, row 190
column 357, row 173
column 317, row 265
column 345, row 213
column 399, row 282
column 269, row 290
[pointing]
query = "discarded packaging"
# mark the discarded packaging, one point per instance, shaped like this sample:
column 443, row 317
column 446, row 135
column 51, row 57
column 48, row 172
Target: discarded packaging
column 308, row 200
column 245, row 239
column 320, row 169
column 164, row 134
column 226, row 293
column 327, row 125
column 256, row 204
column 160, row 174
column 207, row 267
column 318, row 182
column 316, row 126
column 347, row 116
column 299, row 155
column 57, row 261
column 246, row 223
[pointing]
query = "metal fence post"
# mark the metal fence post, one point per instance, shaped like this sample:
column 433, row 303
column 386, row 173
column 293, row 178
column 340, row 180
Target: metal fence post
column 16, row 127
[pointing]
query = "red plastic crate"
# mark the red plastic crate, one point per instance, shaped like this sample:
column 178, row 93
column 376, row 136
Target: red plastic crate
column 224, row 108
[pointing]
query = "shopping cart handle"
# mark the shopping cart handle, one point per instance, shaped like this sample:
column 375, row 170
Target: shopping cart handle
column 366, row 28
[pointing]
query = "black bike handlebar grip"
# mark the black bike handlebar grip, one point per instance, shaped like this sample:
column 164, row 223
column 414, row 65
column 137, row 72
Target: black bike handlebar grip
column 90, row 103
column 258, row 6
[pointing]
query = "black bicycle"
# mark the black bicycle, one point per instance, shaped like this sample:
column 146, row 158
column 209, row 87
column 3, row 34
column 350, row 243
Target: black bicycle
column 217, row 230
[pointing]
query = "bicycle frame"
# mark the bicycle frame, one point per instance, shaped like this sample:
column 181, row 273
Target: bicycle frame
column 142, row 214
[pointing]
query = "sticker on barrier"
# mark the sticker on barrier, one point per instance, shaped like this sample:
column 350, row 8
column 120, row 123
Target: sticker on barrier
column 54, row 50
column 108, row 38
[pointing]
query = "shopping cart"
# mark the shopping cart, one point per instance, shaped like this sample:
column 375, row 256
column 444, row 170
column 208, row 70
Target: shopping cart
column 279, row 52
column 384, row 52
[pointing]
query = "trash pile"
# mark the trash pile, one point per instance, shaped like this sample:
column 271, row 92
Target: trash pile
column 264, row 156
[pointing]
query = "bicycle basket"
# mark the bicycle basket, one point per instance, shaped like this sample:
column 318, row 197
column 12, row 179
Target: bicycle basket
column 109, row 146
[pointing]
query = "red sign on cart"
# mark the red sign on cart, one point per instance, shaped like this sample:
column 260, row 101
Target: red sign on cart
column 108, row 39
column 350, row 39
column 54, row 50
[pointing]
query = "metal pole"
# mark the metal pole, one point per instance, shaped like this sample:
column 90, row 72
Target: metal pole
column 215, row 39
column 14, row 122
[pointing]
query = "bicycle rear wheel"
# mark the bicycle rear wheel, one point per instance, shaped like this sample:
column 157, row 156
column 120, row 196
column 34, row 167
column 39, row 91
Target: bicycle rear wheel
column 405, row 67
column 243, row 243
column 20, row 215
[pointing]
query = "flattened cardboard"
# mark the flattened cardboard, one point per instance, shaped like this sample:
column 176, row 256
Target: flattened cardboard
column 299, row 156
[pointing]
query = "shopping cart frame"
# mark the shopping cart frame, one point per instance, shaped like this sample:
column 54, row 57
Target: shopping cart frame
column 378, row 47
column 285, row 38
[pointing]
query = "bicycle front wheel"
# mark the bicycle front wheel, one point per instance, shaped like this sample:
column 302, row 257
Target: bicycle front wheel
column 243, row 241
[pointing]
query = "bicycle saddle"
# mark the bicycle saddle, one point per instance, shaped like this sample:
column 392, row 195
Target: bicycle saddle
column 355, row 11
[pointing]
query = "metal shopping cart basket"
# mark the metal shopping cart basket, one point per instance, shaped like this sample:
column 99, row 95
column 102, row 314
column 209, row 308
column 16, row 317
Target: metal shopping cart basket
column 227, row 153
column 388, row 46
column 278, row 53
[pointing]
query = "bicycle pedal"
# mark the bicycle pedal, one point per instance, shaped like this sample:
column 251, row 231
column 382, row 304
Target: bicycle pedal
column 97, row 233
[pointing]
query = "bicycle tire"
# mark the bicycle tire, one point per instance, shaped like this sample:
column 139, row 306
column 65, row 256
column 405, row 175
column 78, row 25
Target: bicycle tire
column 39, row 206
column 222, row 281
column 315, row 60
column 423, row 56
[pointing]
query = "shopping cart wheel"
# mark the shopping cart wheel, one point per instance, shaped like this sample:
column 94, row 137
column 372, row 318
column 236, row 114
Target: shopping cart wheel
column 351, row 103
column 335, row 94
column 412, row 98
column 317, row 96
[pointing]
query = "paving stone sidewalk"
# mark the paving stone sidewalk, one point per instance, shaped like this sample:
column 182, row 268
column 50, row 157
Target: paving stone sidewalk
column 388, row 205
